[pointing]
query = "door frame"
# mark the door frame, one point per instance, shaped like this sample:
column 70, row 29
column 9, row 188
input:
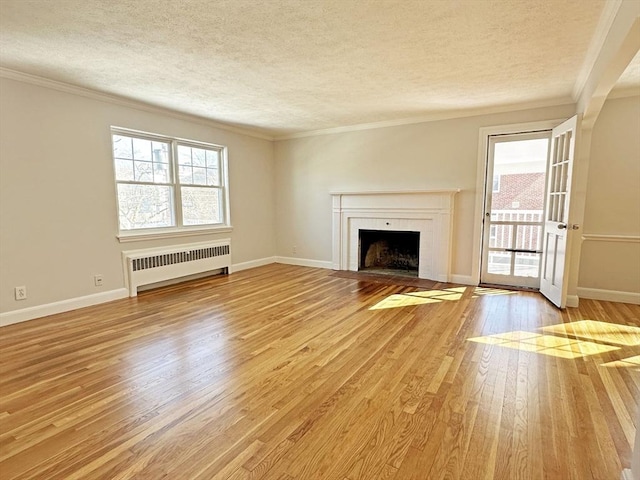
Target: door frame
column 498, row 279
column 481, row 179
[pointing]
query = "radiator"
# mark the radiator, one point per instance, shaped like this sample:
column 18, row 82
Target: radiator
column 152, row 265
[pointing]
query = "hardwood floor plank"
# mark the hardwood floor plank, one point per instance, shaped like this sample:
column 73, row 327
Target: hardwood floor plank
column 285, row 372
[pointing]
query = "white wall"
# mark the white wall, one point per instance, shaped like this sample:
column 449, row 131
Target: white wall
column 425, row 156
column 57, row 198
column 612, row 204
column 58, row 220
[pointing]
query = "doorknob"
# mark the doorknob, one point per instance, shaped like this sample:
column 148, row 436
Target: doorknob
column 562, row 226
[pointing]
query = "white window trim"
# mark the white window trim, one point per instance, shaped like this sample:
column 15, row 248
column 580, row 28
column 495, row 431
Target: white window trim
column 142, row 234
column 158, row 233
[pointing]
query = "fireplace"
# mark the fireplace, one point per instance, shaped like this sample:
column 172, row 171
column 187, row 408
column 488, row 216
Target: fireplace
column 389, row 252
column 427, row 213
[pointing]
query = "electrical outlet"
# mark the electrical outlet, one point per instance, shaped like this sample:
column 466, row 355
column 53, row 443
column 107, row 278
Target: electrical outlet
column 21, row 293
column 97, row 280
column 295, row 249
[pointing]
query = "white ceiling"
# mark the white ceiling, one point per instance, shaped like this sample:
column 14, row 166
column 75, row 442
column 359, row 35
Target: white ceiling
column 287, row 66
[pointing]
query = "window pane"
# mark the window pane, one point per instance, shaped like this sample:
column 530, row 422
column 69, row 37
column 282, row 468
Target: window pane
column 186, row 174
column 499, row 263
column 160, row 152
column 198, row 157
column 122, row 147
column 124, row 169
column 201, row 206
column 143, row 172
column 501, row 237
column 144, row 206
column 141, row 149
column 161, row 173
column 528, row 237
column 212, row 177
column 199, row 176
column 184, row 155
column 213, row 158
column 527, row 264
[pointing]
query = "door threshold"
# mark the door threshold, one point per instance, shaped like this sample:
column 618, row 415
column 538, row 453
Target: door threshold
column 509, row 287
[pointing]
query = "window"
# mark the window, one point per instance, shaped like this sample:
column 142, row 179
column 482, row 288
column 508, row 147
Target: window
column 165, row 183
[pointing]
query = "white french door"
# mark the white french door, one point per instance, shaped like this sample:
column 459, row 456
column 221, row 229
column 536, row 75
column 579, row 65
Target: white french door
column 514, row 209
column 553, row 282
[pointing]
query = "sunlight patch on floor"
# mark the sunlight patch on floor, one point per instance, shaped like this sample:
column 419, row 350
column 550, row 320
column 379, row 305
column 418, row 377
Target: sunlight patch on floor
column 598, row 331
column 395, row 301
column 419, row 298
column 434, row 296
column 632, row 363
column 545, row 344
column 491, row 291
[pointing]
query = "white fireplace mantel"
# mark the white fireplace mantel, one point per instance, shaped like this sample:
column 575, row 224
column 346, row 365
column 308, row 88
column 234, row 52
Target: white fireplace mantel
column 429, row 212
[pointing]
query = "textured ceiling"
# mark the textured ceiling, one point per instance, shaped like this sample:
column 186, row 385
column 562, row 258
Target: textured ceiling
column 286, row 66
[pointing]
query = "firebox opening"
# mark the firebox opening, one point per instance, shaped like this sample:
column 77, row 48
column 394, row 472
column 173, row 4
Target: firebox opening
column 389, row 252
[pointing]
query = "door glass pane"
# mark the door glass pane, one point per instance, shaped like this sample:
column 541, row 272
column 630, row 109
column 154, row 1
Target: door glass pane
column 499, row 263
column 528, row 237
column 527, row 265
column 503, row 236
column 521, row 166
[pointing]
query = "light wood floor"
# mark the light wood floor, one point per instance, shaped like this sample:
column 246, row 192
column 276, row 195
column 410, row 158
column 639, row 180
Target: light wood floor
column 285, row 372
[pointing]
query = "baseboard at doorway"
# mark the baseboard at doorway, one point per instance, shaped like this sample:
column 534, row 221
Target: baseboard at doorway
column 573, row 301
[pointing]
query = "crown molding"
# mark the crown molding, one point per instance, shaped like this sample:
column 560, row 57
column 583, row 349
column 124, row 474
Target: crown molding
column 435, row 116
column 126, row 102
column 595, row 46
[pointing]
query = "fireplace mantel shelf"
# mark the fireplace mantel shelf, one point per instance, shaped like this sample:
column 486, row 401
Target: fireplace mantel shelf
column 399, row 192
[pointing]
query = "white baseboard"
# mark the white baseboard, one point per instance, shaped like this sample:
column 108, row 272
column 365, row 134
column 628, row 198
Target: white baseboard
column 626, row 474
column 573, row 301
column 609, row 295
column 462, row 280
column 24, row 314
column 304, row 262
column 238, row 267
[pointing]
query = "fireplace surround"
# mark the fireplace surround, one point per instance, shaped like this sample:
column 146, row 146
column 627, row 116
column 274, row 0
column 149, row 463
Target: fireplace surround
column 428, row 212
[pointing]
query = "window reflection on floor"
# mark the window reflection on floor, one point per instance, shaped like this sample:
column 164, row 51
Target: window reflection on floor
column 434, row 296
column 419, row 298
column 567, row 340
column 491, row 291
column 599, row 331
column 632, row 363
column 545, row 344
